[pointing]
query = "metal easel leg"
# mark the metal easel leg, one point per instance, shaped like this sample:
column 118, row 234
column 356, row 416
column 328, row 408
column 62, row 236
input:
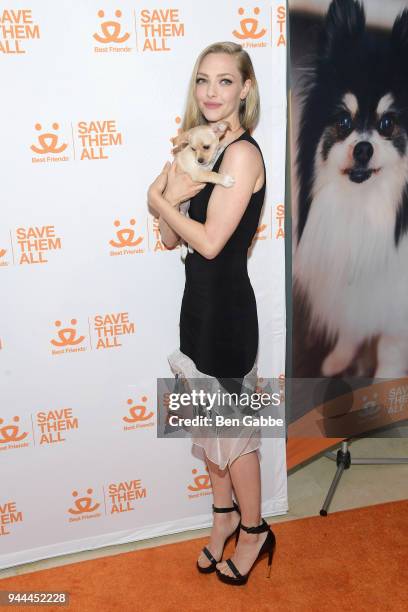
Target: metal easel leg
column 344, row 460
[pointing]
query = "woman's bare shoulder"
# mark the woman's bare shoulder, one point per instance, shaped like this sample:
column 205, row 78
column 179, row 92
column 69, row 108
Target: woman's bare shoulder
column 242, row 151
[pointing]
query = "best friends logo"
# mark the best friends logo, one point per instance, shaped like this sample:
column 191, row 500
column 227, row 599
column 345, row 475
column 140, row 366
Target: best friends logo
column 84, row 507
column 9, row 516
column 16, row 27
column 11, row 436
column 67, row 340
column 139, row 416
column 120, row 497
column 159, row 27
column 105, row 332
column 94, row 139
column 48, row 145
column 126, row 239
column 3, row 260
column 250, row 31
column 201, row 484
column 111, row 32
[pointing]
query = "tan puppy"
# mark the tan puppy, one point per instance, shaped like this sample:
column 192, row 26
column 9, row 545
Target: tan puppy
column 196, row 151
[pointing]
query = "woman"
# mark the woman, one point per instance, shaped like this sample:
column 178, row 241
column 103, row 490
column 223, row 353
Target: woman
column 218, row 321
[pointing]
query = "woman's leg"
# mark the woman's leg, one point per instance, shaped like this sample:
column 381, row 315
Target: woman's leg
column 224, row 523
column 246, row 479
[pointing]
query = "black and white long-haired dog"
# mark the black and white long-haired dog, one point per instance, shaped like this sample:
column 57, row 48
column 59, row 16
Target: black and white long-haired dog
column 351, row 260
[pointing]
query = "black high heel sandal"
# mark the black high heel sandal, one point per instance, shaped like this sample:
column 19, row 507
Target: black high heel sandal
column 268, row 547
column 212, row 568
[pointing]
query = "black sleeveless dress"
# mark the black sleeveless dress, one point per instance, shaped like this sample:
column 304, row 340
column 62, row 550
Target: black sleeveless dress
column 218, row 319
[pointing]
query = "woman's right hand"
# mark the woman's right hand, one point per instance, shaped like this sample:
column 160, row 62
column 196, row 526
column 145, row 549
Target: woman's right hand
column 180, row 187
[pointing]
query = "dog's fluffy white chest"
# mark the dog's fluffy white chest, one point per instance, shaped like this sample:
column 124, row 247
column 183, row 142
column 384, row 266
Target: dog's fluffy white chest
column 347, row 263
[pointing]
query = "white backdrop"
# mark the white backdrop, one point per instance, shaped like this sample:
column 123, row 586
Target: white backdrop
column 90, row 298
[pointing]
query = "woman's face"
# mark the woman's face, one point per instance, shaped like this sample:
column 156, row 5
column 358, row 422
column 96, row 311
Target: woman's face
column 219, row 88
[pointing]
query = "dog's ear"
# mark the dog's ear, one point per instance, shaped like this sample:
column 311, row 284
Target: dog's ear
column 181, row 139
column 399, row 35
column 220, row 128
column 345, row 22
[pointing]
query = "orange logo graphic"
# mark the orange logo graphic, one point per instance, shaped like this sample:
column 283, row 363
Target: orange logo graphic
column 10, row 433
column 126, row 238
column 95, row 136
column 123, row 493
column 9, row 515
column 34, row 242
column 48, row 141
column 2, row 254
column 83, row 505
column 158, row 26
column 67, row 339
column 53, row 423
column 138, row 414
column 280, row 218
column 111, row 30
column 281, row 20
column 201, row 483
column 109, row 327
column 259, row 230
column 16, row 26
column 249, row 26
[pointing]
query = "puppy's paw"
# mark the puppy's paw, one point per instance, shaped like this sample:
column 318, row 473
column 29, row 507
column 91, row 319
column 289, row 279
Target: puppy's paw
column 227, row 180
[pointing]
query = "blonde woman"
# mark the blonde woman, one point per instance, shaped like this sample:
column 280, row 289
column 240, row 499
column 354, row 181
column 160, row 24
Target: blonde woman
column 218, row 320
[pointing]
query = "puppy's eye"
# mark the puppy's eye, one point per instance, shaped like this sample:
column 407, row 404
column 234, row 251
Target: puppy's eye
column 193, row 148
column 386, row 125
column 344, row 124
column 206, row 146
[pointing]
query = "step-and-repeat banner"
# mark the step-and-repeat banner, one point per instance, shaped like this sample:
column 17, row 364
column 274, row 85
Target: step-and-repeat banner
column 90, row 300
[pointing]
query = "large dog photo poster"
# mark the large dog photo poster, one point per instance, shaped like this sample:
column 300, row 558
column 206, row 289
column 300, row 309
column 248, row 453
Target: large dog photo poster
column 349, row 182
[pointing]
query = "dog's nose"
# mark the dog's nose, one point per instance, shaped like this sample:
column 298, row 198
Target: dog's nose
column 200, row 160
column 363, row 152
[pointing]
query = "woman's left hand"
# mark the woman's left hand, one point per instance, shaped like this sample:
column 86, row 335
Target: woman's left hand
column 158, row 186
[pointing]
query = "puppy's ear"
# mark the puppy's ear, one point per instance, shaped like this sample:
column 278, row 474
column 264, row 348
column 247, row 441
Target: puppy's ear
column 344, row 23
column 399, row 36
column 220, row 128
column 181, row 139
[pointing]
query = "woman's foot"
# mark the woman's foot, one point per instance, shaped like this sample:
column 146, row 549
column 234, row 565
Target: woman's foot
column 246, row 552
column 223, row 526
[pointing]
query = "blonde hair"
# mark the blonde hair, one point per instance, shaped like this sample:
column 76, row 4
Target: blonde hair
column 249, row 108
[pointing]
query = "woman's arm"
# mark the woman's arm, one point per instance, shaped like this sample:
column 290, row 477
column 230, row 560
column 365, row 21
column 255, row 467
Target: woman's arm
column 168, row 236
column 174, row 192
column 226, row 206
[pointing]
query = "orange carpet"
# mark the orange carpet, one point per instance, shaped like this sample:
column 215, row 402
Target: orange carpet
column 355, row 560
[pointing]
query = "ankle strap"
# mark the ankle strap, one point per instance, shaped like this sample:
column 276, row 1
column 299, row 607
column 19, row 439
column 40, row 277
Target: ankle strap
column 234, row 507
column 259, row 529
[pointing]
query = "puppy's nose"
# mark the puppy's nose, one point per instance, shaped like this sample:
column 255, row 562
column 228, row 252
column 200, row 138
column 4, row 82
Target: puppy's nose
column 200, row 160
column 363, row 152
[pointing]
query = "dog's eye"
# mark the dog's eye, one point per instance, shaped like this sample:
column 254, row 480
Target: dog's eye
column 206, row 146
column 193, row 148
column 344, row 124
column 386, row 125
